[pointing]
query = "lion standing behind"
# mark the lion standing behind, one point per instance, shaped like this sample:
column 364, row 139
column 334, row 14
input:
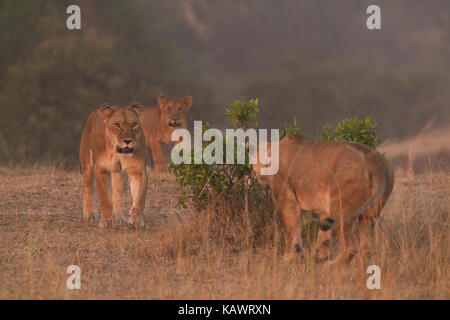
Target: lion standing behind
column 159, row 122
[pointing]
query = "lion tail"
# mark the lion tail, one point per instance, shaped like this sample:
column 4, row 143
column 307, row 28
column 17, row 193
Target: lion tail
column 379, row 188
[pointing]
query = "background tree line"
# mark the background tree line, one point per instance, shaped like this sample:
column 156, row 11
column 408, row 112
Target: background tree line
column 314, row 60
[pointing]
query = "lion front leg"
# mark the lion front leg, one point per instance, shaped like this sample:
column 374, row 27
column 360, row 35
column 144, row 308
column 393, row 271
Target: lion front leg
column 117, row 192
column 89, row 212
column 158, row 157
column 323, row 245
column 290, row 215
column 138, row 188
column 103, row 196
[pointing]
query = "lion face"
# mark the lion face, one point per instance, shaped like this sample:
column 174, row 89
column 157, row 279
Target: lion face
column 122, row 127
column 173, row 111
column 257, row 164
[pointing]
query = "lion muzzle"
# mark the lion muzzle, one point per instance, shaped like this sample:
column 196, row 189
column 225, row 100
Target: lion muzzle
column 174, row 123
column 124, row 150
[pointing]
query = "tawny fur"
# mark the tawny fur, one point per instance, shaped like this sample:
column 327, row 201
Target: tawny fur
column 112, row 142
column 341, row 181
column 159, row 122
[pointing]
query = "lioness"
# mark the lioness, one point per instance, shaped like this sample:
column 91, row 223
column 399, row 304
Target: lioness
column 112, row 142
column 341, row 181
column 159, row 122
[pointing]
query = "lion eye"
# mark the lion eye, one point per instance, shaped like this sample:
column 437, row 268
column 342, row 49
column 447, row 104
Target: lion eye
column 169, row 108
column 134, row 125
column 117, row 125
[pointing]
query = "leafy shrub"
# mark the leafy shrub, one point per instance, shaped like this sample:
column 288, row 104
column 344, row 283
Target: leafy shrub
column 362, row 131
column 206, row 181
column 291, row 129
column 229, row 190
column 243, row 115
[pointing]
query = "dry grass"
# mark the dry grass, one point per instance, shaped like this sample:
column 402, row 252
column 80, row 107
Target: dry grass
column 428, row 150
column 182, row 255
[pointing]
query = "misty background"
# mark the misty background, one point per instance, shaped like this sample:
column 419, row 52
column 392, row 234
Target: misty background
column 312, row 59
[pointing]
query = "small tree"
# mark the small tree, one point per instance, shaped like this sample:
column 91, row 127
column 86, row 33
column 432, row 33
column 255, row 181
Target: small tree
column 291, row 129
column 229, row 190
column 362, row 131
column 209, row 182
column 243, row 115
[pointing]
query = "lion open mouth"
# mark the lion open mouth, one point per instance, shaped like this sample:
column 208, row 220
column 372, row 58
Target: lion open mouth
column 174, row 123
column 124, row 150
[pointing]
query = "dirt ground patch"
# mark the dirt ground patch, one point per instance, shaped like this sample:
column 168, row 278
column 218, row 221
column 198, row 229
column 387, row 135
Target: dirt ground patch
column 176, row 255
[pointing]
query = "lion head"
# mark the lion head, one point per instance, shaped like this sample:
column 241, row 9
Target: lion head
column 173, row 111
column 123, row 127
column 264, row 158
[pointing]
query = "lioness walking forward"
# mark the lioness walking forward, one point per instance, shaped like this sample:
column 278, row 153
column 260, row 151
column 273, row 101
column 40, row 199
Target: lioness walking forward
column 341, row 181
column 112, row 142
column 159, row 122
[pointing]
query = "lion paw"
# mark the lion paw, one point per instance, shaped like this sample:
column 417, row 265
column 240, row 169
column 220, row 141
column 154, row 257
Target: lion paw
column 135, row 218
column 103, row 224
column 135, row 222
column 322, row 255
column 120, row 221
column 91, row 216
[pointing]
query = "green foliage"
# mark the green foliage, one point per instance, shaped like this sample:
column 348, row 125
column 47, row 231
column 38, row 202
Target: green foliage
column 229, row 190
column 244, row 115
column 205, row 181
column 209, row 182
column 362, row 131
column 291, row 129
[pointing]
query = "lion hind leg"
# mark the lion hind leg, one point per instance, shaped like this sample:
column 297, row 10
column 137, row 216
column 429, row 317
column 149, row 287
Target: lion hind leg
column 347, row 248
column 367, row 227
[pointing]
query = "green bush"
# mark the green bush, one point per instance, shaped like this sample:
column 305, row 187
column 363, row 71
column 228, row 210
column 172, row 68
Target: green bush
column 243, row 115
column 207, row 182
column 291, row 129
column 362, row 131
column 229, row 190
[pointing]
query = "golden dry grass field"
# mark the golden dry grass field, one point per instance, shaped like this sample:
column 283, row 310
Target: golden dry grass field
column 183, row 255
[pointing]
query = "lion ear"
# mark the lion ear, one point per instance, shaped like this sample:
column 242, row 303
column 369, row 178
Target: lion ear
column 136, row 107
column 106, row 111
column 161, row 99
column 187, row 101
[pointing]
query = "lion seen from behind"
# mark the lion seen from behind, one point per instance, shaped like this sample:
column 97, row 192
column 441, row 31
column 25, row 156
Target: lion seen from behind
column 341, row 181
